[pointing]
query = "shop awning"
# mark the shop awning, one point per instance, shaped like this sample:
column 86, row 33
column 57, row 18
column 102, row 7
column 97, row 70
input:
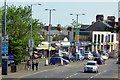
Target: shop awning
column 46, row 48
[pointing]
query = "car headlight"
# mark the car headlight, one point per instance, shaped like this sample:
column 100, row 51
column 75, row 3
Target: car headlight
column 94, row 67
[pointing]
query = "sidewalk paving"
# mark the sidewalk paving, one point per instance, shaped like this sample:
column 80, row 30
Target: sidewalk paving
column 23, row 73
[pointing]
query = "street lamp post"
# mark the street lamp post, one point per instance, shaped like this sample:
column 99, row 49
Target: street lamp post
column 31, row 41
column 77, row 23
column 49, row 27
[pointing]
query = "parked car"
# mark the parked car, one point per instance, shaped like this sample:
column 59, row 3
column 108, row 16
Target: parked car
column 99, row 60
column 79, row 57
column 96, row 54
column 104, row 56
column 66, row 57
column 65, row 53
column 57, row 55
column 57, row 60
column 88, row 55
column 72, row 58
column 117, row 61
column 91, row 66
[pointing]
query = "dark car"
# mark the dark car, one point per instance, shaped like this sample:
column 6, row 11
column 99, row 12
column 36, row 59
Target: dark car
column 96, row 54
column 66, row 57
column 99, row 60
column 57, row 60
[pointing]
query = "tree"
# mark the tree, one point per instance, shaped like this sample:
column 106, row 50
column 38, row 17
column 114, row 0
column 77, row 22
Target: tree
column 57, row 38
column 74, row 23
column 18, row 28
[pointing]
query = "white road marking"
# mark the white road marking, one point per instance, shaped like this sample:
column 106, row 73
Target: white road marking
column 99, row 73
column 94, row 75
column 72, row 75
column 67, row 77
column 91, row 77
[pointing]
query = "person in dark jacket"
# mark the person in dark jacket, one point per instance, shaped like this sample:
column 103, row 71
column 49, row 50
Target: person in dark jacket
column 37, row 64
column 33, row 65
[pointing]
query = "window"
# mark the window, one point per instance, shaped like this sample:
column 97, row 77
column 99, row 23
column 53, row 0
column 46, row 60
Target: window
column 112, row 38
column 102, row 38
column 95, row 38
column 91, row 63
column 98, row 38
column 109, row 38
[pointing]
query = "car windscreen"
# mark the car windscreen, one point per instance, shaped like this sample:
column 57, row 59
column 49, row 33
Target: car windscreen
column 90, row 63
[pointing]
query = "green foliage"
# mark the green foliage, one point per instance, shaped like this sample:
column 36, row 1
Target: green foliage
column 57, row 38
column 18, row 28
column 74, row 24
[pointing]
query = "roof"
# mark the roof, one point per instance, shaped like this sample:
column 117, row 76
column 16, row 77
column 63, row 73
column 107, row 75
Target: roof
column 98, row 26
column 84, row 26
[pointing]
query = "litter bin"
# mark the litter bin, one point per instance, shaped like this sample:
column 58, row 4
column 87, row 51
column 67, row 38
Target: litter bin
column 13, row 67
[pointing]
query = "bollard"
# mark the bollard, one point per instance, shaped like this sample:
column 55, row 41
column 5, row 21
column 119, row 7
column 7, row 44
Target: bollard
column 46, row 62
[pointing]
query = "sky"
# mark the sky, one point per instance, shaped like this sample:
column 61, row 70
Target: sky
column 64, row 8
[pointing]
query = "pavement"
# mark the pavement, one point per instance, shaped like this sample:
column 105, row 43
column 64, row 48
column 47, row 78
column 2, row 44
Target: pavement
column 41, row 68
column 72, row 70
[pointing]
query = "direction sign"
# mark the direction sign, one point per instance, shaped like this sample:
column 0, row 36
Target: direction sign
column 10, row 57
column 4, row 48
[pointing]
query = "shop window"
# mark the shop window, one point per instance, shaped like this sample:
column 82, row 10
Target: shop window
column 102, row 38
column 109, row 38
column 95, row 38
column 112, row 38
column 98, row 38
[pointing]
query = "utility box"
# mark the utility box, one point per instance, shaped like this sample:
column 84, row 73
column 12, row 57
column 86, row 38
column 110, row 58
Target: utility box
column 13, row 67
column 4, row 65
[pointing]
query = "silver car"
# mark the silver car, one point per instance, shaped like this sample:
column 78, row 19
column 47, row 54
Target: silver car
column 91, row 66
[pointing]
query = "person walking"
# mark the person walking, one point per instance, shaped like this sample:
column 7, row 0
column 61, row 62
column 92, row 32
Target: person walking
column 37, row 62
column 33, row 65
column 28, row 64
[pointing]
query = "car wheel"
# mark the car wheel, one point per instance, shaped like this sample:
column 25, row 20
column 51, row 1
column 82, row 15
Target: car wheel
column 53, row 63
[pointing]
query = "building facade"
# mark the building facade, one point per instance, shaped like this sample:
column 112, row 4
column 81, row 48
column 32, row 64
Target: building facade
column 103, row 40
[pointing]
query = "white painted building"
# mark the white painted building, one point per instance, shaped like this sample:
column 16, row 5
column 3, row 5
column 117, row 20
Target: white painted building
column 100, row 38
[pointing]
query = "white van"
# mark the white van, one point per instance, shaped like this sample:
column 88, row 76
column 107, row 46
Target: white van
column 88, row 55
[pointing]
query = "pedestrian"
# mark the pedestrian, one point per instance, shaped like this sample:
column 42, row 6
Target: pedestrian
column 37, row 64
column 33, row 65
column 28, row 64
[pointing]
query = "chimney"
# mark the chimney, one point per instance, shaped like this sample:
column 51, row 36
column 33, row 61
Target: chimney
column 93, row 22
column 111, row 18
column 100, row 17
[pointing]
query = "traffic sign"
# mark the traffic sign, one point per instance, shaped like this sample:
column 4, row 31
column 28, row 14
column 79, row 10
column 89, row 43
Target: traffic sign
column 10, row 57
column 4, row 45
column 5, row 39
column 4, row 48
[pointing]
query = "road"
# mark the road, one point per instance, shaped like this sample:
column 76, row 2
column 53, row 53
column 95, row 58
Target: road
column 75, row 70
